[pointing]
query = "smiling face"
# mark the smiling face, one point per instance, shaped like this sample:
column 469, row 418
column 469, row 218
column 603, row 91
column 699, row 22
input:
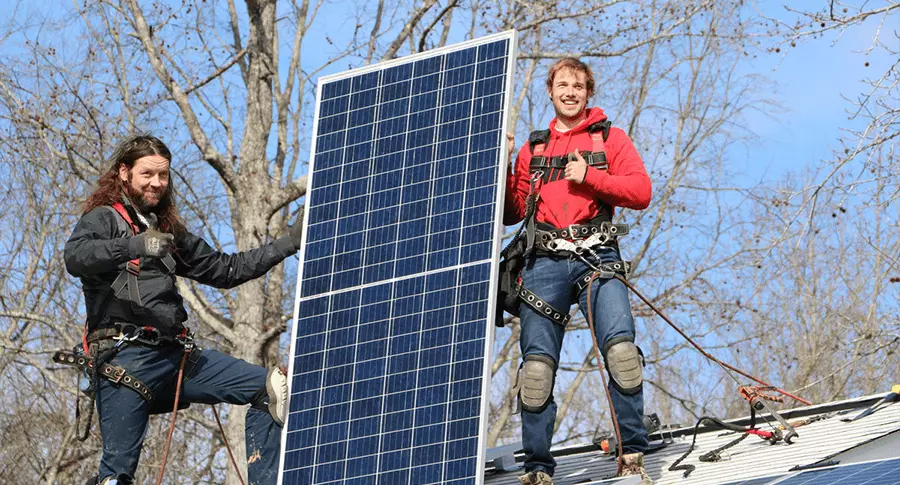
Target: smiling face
column 147, row 181
column 569, row 94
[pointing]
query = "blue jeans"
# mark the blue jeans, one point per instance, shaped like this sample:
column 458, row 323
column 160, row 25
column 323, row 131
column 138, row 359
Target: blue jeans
column 553, row 279
column 213, row 379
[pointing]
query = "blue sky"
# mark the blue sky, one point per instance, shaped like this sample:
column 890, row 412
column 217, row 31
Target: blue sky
column 810, row 80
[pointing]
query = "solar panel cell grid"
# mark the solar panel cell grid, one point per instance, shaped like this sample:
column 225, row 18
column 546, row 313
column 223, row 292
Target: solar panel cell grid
column 872, row 473
column 388, row 358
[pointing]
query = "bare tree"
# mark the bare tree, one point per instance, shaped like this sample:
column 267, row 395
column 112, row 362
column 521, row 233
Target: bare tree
column 229, row 86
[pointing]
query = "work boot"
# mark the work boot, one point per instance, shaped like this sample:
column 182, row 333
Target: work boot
column 276, row 386
column 120, row 479
column 633, row 464
column 536, row 478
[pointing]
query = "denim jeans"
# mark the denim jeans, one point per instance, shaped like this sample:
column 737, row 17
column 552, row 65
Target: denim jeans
column 214, row 378
column 553, row 279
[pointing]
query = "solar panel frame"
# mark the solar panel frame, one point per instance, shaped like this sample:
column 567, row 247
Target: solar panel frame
column 322, row 126
column 758, row 481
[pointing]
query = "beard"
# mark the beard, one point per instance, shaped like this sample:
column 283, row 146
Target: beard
column 142, row 203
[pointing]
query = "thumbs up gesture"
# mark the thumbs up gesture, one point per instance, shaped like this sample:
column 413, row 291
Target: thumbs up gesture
column 151, row 243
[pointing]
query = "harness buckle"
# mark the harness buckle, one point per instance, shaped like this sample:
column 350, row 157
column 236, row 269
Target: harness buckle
column 186, row 339
column 149, row 333
column 133, row 268
column 115, row 373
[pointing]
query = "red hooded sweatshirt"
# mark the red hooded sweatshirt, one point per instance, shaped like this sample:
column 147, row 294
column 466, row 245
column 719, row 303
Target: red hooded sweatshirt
column 562, row 202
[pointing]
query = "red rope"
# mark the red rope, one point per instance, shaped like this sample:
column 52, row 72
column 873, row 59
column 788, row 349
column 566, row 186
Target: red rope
column 162, row 468
column 612, row 410
column 227, row 446
column 705, row 353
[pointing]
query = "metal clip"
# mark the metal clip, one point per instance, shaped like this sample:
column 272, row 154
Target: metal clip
column 187, row 340
column 123, row 339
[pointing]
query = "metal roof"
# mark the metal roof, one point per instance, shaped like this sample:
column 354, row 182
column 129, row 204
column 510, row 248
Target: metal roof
column 826, row 440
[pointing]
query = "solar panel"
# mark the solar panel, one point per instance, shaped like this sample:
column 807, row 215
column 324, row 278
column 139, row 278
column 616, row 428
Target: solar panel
column 390, row 347
column 757, row 481
column 870, row 473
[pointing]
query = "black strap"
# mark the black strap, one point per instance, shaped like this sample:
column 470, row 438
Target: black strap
column 553, row 168
column 541, row 306
column 114, row 373
column 538, row 137
column 128, row 279
column 581, row 231
column 608, row 270
column 713, row 455
column 541, row 162
column 603, row 126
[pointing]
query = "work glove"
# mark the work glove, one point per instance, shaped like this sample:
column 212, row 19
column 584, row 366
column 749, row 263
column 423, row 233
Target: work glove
column 295, row 230
column 151, row 243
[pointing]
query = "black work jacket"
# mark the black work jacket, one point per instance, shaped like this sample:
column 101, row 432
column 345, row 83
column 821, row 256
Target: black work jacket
column 97, row 252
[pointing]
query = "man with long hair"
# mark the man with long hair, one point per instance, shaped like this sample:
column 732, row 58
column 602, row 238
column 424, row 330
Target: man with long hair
column 127, row 249
column 567, row 181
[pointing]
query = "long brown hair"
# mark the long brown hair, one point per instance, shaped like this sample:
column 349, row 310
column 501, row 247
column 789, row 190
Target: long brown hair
column 110, row 187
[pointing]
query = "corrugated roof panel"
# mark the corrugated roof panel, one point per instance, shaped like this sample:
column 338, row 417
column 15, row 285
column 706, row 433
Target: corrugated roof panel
column 751, row 459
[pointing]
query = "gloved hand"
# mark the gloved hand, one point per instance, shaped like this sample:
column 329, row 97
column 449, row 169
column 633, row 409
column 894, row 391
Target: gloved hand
column 295, row 230
column 151, row 243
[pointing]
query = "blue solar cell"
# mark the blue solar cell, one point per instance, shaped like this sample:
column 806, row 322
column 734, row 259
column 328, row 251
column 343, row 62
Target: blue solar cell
column 387, row 370
column 871, row 473
column 874, row 473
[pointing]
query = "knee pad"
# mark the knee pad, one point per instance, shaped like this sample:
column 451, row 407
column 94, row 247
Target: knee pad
column 536, row 378
column 273, row 397
column 625, row 363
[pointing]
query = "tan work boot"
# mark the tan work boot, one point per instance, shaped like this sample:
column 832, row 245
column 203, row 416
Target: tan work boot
column 633, row 464
column 276, row 386
column 536, row 478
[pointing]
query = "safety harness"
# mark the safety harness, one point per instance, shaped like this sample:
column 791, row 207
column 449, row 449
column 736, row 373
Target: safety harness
column 127, row 281
column 106, row 342
column 577, row 241
column 100, row 346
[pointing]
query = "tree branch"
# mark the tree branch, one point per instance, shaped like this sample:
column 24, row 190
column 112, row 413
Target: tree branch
column 208, row 151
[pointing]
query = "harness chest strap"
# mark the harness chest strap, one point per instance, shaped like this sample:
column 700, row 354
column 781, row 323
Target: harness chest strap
column 596, row 157
column 128, row 278
column 114, row 373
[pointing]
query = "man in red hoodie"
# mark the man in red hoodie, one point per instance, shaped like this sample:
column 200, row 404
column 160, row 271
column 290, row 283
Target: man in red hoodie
column 576, row 172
